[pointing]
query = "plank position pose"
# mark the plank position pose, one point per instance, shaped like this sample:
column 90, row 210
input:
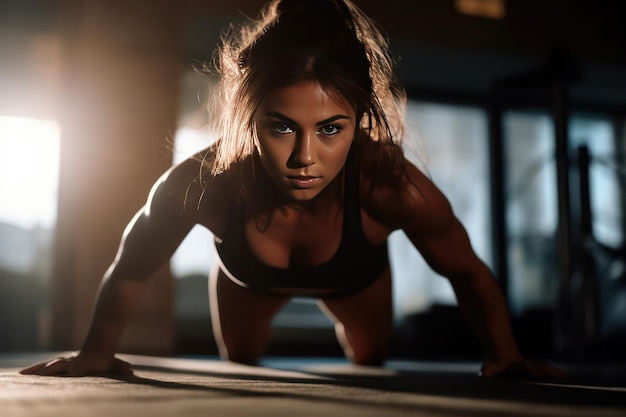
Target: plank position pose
column 301, row 192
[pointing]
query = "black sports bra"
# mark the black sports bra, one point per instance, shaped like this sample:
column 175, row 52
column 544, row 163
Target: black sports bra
column 355, row 265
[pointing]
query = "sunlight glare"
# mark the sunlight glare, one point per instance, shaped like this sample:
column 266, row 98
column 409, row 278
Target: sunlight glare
column 29, row 171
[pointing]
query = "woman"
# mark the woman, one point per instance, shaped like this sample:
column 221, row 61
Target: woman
column 301, row 192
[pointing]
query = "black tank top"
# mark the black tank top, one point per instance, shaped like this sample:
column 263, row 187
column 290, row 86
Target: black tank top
column 355, row 265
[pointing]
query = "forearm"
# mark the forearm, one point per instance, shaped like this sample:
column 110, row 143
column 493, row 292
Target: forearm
column 115, row 301
column 482, row 303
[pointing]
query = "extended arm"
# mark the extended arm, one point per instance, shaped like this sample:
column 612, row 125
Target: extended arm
column 429, row 222
column 148, row 242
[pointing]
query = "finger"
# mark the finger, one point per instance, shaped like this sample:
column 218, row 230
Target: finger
column 533, row 369
column 559, row 373
column 32, row 369
column 505, row 369
column 551, row 371
column 54, row 367
column 35, row 368
column 489, row 370
column 486, row 371
column 121, row 367
column 541, row 370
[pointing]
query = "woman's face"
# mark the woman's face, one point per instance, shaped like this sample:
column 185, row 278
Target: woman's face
column 304, row 136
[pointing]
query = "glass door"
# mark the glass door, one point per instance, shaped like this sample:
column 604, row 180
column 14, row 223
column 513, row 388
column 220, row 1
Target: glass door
column 594, row 300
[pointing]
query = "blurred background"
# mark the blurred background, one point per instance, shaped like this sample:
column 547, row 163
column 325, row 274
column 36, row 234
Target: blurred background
column 520, row 106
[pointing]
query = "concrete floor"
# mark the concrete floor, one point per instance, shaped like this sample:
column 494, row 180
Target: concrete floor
column 307, row 387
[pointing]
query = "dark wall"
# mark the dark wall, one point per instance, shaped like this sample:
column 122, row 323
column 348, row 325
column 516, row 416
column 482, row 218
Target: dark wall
column 439, row 48
column 436, row 46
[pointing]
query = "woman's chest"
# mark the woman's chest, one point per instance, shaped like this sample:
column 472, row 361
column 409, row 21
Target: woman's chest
column 294, row 240
column 304, row 240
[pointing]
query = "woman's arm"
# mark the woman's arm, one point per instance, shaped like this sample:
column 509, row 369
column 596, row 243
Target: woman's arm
column 428, row 220
column 148, row 242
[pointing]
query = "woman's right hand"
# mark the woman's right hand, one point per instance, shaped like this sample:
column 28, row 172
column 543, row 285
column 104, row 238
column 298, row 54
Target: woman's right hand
column 79, row 364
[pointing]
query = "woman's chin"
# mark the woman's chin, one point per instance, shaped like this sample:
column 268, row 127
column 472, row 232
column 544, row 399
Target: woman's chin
column 303, row 196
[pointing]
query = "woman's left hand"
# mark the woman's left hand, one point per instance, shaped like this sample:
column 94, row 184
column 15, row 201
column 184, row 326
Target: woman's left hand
column 520, row 368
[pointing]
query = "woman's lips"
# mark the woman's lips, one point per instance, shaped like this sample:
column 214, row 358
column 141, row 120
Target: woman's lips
column 303, row 181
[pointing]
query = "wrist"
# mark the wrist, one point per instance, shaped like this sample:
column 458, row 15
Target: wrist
column 95, row 352
column 508, row 357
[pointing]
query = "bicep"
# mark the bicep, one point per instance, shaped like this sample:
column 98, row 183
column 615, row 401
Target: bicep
column 429, row 222
column 447, row 249
column 153, row 234
column 146, row 246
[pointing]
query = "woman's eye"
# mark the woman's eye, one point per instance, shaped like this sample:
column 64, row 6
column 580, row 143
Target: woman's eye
column 330, row 130
column 282, row 128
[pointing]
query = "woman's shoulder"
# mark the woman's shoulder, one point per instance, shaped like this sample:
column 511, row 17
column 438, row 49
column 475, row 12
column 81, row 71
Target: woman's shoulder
column 187, row 177
column 190, row 189
column 410, row 197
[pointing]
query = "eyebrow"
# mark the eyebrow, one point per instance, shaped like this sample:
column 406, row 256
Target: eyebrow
column 278, row 115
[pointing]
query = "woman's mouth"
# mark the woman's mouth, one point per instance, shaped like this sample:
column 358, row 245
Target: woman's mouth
column 302, row 181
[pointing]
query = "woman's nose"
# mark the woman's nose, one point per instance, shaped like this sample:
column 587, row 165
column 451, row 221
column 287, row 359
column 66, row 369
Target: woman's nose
column 304, row 153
